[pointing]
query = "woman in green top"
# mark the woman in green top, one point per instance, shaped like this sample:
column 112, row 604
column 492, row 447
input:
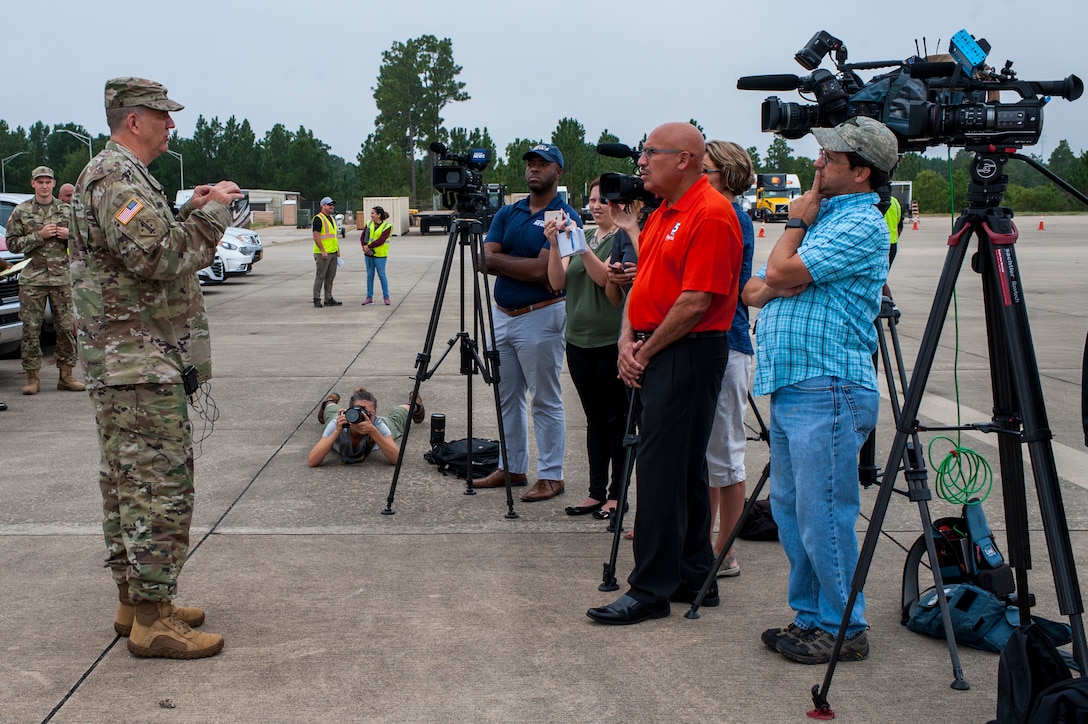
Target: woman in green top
column 594, row 312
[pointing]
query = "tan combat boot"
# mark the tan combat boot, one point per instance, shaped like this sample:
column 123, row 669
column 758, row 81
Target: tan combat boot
column 33, row 383
column 67, row 382
column 157, row 633
column 126, row 613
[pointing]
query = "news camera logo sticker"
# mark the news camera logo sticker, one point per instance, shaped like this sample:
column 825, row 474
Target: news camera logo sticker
column 986, row 168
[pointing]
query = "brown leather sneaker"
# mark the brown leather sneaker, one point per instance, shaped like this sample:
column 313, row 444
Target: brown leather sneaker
column 497, row 479
column 543, row 489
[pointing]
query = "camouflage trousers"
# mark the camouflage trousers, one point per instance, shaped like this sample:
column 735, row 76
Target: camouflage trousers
column 32, row 311
column 146, row 480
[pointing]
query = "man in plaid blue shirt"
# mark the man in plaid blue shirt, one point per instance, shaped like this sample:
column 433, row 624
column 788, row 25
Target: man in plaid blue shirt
column 815, row 340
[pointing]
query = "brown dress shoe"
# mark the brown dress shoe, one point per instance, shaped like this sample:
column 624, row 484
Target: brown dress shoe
column 497, row 479
column 542, row 490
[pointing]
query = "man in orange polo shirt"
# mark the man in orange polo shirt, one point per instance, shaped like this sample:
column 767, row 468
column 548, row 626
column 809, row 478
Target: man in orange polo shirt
column 673, row 350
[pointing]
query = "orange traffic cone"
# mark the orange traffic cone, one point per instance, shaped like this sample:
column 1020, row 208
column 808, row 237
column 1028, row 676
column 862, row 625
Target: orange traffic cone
column 915, row 226
column 1042, row 226
column 762, row 233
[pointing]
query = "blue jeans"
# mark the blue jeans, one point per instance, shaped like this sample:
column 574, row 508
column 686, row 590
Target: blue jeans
column 372, row 263
column 817, row 428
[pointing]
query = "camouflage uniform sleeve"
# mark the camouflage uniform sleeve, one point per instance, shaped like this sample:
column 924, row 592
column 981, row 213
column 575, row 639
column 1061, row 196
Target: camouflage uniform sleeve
column 20, row 239
column 143, row 235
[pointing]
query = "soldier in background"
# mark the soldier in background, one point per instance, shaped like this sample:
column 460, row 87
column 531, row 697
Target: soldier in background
column 144, row 340
column 38, row 228
column 64, row 193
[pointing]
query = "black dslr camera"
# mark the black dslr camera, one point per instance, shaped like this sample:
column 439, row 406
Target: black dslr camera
column 924, row 103
column 356, row 413
column 619, row 188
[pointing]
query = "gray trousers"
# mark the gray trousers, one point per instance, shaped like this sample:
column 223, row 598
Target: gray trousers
column 326, row 272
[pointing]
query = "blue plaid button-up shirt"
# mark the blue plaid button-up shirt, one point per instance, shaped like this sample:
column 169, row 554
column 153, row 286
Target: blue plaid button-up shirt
column 828, row 328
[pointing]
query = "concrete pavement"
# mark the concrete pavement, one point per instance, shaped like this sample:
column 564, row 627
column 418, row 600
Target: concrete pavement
column 447, row 610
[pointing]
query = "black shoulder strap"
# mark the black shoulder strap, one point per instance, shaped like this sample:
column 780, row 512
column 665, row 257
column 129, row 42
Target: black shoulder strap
column 910, row 576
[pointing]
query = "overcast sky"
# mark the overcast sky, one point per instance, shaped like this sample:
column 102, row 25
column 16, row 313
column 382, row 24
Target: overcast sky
column 621, row 66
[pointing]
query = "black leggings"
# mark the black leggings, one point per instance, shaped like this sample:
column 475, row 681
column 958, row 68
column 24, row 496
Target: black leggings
column 604, row 400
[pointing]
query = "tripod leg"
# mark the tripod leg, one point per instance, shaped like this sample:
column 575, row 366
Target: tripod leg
column 488, row 365
column 1001, row 274
column 423, row 360
column 905, row 425
column 693, row 612
column 630, row 444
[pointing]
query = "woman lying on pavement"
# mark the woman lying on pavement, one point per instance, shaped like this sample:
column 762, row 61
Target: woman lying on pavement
column 353, row 432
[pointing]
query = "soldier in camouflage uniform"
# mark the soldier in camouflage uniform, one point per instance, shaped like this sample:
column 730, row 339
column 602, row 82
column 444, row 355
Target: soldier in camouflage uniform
column 141, row 323
column 38, row 228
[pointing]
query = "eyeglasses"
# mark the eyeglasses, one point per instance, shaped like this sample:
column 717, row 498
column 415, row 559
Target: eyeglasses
column 649, row 152
column 708, row 171
column 827, row 159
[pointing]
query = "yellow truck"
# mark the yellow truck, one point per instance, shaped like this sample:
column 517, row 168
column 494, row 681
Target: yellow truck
column 774, row 191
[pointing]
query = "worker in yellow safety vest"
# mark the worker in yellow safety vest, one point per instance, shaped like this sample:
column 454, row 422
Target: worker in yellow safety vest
column 326, row 253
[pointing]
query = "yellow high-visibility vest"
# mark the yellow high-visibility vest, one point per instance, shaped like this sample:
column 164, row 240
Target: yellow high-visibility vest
column 329, row 235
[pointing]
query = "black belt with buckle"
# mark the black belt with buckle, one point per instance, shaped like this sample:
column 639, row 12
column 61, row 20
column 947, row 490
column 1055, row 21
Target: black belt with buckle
column 710, row 334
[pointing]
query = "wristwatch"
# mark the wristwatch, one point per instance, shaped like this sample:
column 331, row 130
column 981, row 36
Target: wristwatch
column 797, row 223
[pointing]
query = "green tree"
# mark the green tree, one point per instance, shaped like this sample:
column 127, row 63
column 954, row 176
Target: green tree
column 579, row 158
column 753, row 153
column 381, row 170
column 417, row 79
column 931, row 192
column 779, row 156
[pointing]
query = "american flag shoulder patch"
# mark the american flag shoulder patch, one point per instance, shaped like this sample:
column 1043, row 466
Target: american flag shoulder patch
column 130, row 209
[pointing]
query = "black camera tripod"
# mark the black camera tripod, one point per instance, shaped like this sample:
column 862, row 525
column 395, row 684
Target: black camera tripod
column 1019, row 413
column 466, row 234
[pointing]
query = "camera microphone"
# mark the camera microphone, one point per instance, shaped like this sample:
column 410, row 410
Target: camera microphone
column 615, row 150
column 439, row 148
column 781, row 82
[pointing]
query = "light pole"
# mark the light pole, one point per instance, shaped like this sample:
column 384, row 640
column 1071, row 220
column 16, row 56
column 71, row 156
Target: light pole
column 3, row 168
column 181, row 161
column 85, row 139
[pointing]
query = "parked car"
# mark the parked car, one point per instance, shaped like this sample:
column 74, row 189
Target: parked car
column 213, row 274
column 11, row 327
column 240, row 249
column 8, row 202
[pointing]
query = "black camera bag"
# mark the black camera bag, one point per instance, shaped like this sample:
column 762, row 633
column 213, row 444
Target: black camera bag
column 452, row 457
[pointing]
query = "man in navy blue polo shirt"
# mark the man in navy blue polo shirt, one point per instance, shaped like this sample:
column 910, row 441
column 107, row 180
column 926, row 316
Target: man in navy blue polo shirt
column 529, row 319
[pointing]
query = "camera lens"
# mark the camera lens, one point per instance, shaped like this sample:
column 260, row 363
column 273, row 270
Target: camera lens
column 355, row 414
column 438, row 429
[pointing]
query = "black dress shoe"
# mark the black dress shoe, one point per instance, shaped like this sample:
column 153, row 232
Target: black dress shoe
column 627, row 610
column 330, row 302
column 686, row 595
column 583, row 509
column 607, row 514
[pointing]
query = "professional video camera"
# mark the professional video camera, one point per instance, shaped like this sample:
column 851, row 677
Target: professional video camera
column 924, row 103
column 620, row 188
column 460, row 180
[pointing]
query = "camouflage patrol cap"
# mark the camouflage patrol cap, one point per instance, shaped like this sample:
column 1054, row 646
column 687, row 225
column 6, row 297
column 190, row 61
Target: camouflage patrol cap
column 128, row 92
column 864, row 136
column 41, row 171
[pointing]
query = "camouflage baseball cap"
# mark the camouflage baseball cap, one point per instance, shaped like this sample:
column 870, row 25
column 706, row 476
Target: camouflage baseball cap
column 41, row 171
column 129, row 92
column 864, row 136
